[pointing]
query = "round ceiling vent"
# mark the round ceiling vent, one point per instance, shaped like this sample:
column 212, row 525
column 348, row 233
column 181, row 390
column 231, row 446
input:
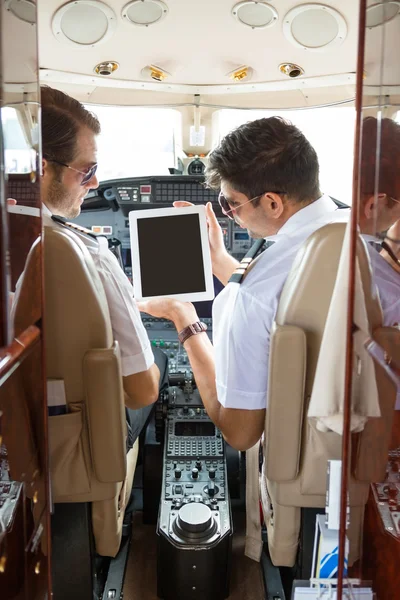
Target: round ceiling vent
column 106, row 68
column 381, row 13
column 84, row 23
column 24, row 10
column 256, row 15
column 314, row 27
column 291, row 70
column 144, row 12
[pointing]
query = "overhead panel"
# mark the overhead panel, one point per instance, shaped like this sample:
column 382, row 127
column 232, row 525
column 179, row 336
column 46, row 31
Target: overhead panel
column 382, row 12
column 315, row 27
column 84, row 23
column 144, row 12
column 25, row 10
column 255, row 14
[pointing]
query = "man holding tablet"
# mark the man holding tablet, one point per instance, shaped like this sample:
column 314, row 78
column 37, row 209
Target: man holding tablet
column 268, row 174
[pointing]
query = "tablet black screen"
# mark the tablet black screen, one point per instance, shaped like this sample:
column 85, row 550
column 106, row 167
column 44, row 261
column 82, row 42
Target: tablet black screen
column 170, row 255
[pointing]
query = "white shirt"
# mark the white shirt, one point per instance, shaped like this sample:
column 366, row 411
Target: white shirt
column 126, row 323
column 243, row 314
column 387, row 280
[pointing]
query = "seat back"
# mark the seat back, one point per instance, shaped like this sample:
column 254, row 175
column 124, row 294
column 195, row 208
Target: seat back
column 295, row 468
column 88, row 458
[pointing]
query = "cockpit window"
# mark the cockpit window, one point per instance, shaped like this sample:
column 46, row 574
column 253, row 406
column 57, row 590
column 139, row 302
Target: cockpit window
column 136, row 141
column 18, row 127
column 329, row 130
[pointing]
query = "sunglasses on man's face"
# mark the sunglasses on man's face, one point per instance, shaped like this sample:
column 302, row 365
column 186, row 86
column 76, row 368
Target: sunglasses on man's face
column 87, row 175
column 230, row 212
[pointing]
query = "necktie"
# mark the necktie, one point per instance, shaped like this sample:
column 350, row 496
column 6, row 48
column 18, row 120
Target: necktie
column 257, row 248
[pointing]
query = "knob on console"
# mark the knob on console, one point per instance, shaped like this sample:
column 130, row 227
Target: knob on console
column 178, row 473
column 211, row 489
column 195, row 473
column 211, row 473
column 195, row 517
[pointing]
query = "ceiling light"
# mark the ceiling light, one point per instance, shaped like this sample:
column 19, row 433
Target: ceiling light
column 381, row 13
column 106, row 68
column 291, row 70
column 25, row 10
column 256, row 15
column 155, row 73
column 84, row 23
column 314, row 27
column 241, row 74
column 144, row 12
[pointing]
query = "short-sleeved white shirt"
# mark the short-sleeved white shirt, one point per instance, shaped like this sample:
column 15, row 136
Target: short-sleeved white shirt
column 387, row 280
column 126, row 323
column 243, row 314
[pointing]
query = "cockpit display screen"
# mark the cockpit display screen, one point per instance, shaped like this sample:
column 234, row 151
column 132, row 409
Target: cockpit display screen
column 194, row 429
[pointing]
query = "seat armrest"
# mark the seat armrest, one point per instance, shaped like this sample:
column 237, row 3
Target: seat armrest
column 284, row 420
column 105, row 413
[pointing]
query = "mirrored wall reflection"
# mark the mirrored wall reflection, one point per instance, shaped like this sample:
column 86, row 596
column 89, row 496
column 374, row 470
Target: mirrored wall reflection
column 20, row 127
column 375, row 456
column 23, row 444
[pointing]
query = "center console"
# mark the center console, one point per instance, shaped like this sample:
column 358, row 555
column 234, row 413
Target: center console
column 194, row 522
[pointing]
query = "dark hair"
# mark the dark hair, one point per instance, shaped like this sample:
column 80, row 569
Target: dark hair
column 267, row 155
column 387, row 132
column 62, row 116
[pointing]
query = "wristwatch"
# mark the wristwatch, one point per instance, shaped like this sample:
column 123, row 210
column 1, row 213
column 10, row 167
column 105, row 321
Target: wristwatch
column 190, row 330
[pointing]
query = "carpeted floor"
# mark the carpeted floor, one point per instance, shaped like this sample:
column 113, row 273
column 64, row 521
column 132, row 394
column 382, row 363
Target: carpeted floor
column 141, row 575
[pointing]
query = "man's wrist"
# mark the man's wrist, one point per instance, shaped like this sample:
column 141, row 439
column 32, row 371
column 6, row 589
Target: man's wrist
column 183, row 316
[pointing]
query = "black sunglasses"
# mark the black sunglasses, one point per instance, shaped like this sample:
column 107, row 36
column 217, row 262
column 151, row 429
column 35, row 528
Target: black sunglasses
column 87, row 175
column 226, row 208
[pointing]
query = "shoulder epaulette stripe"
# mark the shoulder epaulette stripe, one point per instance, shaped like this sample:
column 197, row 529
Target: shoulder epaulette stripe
column 74, row 226
column 256, row 249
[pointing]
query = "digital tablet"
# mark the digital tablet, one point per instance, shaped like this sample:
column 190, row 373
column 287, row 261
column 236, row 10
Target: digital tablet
column 171, row 254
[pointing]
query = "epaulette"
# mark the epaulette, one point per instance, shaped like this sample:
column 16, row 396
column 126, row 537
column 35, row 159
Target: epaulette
column 258, row 247
column 74, row 226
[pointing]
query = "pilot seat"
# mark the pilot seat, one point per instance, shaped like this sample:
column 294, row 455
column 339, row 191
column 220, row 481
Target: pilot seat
column 296, row 452
column 91, row 469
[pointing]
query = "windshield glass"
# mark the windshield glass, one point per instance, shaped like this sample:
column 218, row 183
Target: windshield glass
column 135, row 141
column 138, row 141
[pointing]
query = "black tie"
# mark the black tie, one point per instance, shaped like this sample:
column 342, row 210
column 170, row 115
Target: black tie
column 257, row 248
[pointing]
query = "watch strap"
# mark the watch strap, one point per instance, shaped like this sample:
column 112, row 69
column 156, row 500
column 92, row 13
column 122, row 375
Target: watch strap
column 190, row 330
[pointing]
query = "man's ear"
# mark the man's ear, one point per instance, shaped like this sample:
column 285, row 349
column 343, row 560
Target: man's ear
column 370, row 207
column 45, row 166
column 273, row 204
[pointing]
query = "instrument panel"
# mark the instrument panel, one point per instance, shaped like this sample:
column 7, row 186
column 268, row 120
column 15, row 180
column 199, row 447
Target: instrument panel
column 106, row 210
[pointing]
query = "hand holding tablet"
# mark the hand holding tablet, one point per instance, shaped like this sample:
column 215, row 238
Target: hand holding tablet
column 171, row 254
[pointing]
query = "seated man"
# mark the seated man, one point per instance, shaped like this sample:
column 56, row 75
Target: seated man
column 391, row 249
column 69, row 133
column 268, row 174
column 379, row 212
